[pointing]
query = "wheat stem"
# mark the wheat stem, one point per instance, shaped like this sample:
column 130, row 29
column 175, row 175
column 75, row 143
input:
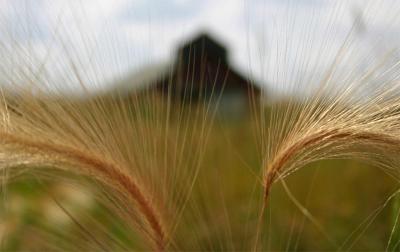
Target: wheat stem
column 276, row 166
column 106, row 170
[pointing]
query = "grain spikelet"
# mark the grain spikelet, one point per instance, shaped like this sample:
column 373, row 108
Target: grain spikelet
column 113, row 141
column 351, row 115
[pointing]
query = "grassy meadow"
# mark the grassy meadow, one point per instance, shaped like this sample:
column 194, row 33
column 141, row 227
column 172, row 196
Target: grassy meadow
column 326, row 205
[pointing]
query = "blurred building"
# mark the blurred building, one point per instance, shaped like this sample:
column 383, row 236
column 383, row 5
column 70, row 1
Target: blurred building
column 200, row 72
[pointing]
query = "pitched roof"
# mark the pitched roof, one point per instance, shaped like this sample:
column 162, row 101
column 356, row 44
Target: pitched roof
column 150, row 75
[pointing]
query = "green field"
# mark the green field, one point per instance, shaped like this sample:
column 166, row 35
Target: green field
column 341, row 199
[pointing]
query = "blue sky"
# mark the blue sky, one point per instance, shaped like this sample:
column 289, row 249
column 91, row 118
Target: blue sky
column 282, row 44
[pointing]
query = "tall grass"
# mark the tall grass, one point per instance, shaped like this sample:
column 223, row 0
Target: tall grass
column 166, row 171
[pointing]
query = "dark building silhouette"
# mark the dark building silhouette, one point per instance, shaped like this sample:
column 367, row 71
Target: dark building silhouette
column 200, row 72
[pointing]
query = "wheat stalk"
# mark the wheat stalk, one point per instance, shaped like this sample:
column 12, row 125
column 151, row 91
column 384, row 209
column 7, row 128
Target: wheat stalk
column 144, row 157
column 340, row 123
column 107, row 171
